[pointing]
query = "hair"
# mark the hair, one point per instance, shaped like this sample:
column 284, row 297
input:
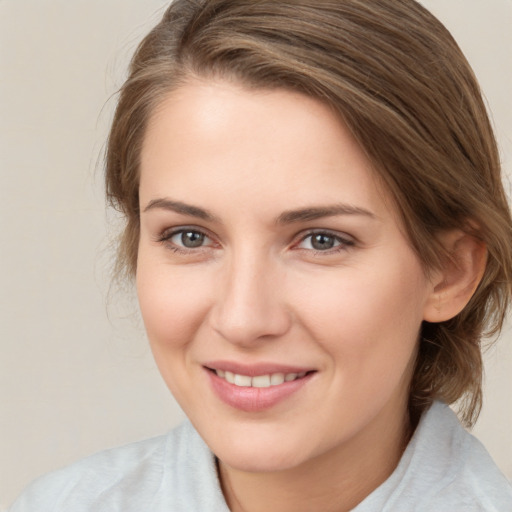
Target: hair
column 399, row 81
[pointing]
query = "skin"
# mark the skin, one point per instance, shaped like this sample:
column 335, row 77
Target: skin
column 257, row 291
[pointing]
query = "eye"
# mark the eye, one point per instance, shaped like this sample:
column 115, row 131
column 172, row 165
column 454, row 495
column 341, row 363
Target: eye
column 189, row 239
column 185, row 239
column 323, row 242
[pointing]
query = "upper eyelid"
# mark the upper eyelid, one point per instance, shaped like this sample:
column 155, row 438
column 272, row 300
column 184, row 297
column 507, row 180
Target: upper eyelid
column 330, row 232
column 170, row 232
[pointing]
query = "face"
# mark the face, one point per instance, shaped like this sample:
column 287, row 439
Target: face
column 281, row 298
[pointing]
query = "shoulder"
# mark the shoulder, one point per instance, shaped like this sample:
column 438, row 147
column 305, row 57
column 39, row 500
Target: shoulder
column 452, row 469
column 474, row 480
column 443, row 469
column 126, row 478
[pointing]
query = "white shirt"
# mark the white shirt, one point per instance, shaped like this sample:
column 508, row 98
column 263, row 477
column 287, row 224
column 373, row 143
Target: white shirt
column 443, row 469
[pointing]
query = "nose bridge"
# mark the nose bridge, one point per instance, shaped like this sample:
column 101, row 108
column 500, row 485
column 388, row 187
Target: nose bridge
column 249, row 304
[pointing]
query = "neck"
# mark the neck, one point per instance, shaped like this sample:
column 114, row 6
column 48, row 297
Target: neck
column 333, row 482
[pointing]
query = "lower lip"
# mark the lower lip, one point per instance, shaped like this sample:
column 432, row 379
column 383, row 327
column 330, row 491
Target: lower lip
column 251, row 399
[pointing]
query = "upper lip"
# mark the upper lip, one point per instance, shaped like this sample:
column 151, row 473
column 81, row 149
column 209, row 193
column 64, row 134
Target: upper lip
column 253, row 370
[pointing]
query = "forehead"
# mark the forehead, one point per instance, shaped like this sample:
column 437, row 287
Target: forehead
column 205, row 134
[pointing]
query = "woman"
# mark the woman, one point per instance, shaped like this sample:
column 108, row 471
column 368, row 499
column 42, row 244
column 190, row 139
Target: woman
column 320, row 239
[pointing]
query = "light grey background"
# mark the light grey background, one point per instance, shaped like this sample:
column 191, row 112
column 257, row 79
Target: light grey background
column 75, row 374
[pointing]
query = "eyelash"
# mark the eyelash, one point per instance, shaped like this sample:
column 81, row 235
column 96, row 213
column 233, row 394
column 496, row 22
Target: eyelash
column 343, row 243
column 166, row 236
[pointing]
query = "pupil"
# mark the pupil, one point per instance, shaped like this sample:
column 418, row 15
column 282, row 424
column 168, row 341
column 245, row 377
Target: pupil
column 322, row 242
column 192, row 239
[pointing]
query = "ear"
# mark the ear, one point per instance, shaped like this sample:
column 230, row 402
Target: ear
column 454, row 284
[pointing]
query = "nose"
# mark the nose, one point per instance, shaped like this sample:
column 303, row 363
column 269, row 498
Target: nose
column 249, row 305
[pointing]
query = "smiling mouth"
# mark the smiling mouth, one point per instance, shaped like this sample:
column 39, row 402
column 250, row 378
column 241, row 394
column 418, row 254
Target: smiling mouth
column 265, row 387
column 258, row 381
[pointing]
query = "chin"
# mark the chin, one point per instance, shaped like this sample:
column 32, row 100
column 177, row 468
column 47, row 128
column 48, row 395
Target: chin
column 259, row 461
column 260, row 453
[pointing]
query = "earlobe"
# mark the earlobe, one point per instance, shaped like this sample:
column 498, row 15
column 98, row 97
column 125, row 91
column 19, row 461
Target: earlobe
column 454, row 284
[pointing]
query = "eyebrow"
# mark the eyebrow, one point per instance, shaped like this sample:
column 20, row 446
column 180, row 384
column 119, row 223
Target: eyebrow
column 182, row 208
column 313, row 213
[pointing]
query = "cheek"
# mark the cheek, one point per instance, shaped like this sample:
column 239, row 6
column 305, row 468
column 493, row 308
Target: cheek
column 173, row 303
column 367, row 319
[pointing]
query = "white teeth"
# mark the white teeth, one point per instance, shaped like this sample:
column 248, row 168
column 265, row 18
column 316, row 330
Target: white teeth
column 242, row 380
column 276, row 379
column 259, row 381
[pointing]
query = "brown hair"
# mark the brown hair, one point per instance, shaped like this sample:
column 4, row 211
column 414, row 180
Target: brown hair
column 401, row 84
